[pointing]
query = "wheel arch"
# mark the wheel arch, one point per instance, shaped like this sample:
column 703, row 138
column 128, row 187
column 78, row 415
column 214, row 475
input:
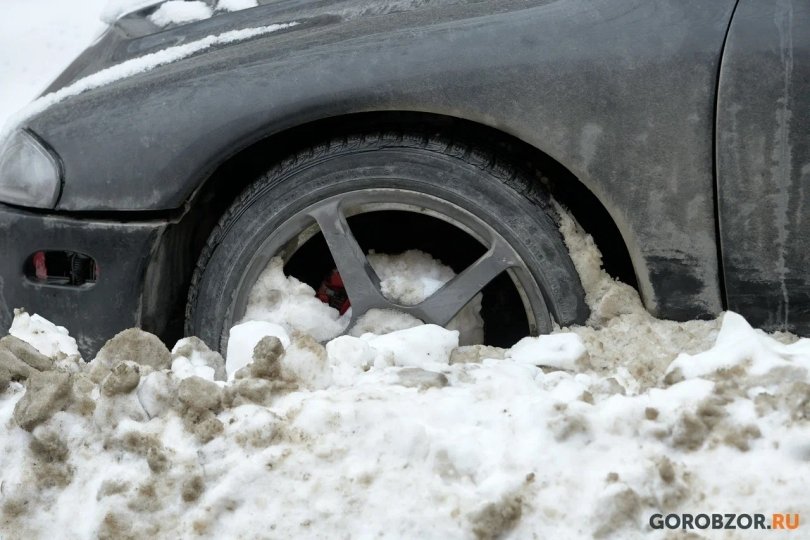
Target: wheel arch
column 237, row 169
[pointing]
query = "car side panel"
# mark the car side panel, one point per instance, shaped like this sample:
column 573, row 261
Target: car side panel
column 763, row 158
column 621, row 92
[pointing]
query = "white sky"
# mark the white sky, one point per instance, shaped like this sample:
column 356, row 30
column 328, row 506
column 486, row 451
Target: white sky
column 38, row 39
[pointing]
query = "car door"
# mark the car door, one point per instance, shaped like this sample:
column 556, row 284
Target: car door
column 763, row 163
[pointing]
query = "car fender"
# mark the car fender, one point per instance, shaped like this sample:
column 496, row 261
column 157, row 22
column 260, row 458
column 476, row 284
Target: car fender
column 620, row 92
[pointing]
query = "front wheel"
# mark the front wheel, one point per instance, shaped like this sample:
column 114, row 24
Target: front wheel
column 328, row 207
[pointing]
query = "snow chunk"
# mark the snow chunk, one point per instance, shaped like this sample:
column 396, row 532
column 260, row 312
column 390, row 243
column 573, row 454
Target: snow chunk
column 412, row 277
column 137, row 346
column 349, row 357
column 287, row 302
column 51, row 340
column 422, row 346
column 383, row 321
column 183, row 368
column 191, row 356
column 235, row 5
column 180, row 11
column 305, row 362
column 243, row 339
column 740, row 345
column 619, row 323
column 157, row 393
column 563, row 351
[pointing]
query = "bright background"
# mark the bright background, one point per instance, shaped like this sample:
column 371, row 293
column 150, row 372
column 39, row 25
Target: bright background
column 38, row 39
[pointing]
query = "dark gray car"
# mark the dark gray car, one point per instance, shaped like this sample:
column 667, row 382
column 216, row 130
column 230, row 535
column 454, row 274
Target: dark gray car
column 677, row 131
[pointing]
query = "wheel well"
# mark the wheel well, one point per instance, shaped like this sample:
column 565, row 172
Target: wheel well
column 186, row 239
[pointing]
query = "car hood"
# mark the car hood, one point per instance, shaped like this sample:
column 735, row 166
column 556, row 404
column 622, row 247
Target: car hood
column 133, row 34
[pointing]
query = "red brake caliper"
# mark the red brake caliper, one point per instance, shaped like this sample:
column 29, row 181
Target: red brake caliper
column 333, row 292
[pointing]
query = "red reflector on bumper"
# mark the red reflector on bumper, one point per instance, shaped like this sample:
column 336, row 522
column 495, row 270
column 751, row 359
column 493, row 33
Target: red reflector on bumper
column 40, row 269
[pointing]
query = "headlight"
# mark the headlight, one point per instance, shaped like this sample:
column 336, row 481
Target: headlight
column 29, row 173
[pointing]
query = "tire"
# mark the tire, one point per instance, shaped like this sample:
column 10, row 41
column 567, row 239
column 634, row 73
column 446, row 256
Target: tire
column 456, row 182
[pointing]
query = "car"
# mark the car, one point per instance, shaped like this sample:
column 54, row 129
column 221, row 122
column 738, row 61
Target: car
column 161, row 172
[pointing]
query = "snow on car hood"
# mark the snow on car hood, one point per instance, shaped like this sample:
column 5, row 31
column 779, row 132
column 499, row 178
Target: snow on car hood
column 586, row 432
column 169, row 12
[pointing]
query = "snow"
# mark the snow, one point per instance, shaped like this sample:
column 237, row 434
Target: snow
column 180, row 12
column 192, row 358
column 410, row 277
column 562, row 351
column 172, row 11
column 421, row 346
column 738, row 344
column 292, row 304
column 236, row 5
column 51, row 340
column 407, row 278
column 244, row 337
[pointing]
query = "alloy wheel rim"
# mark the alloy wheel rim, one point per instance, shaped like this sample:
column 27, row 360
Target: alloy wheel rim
column 329, row 216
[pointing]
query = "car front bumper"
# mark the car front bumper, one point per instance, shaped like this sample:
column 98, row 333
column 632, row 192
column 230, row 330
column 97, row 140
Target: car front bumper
column 92, row 312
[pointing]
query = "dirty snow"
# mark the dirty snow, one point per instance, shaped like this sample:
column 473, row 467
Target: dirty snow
column 582, row 433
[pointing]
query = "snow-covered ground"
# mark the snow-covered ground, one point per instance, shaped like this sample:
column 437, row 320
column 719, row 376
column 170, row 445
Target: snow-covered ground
column 399, row 432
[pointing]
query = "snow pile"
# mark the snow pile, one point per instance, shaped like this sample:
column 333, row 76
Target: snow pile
column 621, row 336
column 586, row 432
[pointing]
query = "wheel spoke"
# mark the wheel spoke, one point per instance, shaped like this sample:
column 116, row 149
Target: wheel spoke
column 445, row 303
column 361, row 282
